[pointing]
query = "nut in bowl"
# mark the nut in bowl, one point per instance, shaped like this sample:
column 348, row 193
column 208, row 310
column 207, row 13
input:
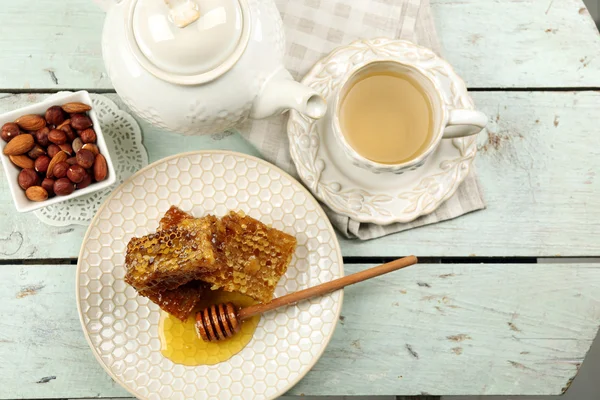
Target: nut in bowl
column 40, row 149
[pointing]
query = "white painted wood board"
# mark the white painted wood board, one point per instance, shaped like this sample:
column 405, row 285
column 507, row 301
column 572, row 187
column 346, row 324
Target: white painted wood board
column 539, row 167
column 432, row 328
column 50, row 44
column 525, row 43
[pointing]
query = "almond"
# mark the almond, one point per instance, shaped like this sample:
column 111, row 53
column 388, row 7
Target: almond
column 59, row 157
column 100, row 168
column 22, row 161
column 73, row 108
column 36, row 193
column 20, row 144
column 65, row 123
column 31, row 122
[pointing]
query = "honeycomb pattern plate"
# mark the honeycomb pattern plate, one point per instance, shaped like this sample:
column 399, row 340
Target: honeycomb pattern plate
column 122, row 328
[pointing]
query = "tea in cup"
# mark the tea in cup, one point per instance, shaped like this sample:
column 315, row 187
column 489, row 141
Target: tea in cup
column 389, row 116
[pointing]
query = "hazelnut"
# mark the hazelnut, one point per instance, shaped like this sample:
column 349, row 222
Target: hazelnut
column 36, row 152
column 55, row 115
column 72, row 160
column 60, row 169
column 27, row 178
column 48, row 184
column 71, row 135
column 57, row 136
column 88, row 136
column 63, row 187
column 85, row 158
column 41, row 136
column 9, row 131
column 52, row 150
column 77, row 144
column 76, row 173
column 80, row 121
column 41, row 164
column 87, row 180
column 66, row 147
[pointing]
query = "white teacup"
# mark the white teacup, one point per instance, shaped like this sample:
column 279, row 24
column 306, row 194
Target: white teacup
column 447, row 123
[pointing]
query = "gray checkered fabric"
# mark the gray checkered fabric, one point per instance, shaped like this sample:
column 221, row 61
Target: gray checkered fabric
column 315, row 27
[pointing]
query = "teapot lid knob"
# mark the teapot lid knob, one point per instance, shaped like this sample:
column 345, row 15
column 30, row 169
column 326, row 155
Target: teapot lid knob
column 188, row 42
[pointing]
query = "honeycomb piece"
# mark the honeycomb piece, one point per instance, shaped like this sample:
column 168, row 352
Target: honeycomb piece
column 171, row 257
column 180, row 302
column 236, row 254
column 251, row 257
column 173, row 217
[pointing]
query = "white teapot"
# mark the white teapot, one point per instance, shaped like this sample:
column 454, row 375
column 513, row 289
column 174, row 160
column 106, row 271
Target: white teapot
column 201, row 66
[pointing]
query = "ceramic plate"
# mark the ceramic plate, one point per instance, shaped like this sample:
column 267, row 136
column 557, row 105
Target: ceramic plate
column 360, row 194
column 122, row 327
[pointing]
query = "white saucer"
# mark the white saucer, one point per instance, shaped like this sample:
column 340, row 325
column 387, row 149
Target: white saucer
column 362, row 195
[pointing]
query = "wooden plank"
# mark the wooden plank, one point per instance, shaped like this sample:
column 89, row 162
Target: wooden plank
column 537, row 166
column 525, row 43
column 491, row 43
column 437, row 329
column 40, row 323
column 461, row 329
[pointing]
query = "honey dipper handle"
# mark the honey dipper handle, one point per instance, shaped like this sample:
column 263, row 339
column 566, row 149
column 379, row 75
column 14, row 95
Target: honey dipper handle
column 327, row 287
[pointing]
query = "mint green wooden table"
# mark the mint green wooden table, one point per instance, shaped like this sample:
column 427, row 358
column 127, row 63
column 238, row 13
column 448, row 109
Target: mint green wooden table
column 499, row 306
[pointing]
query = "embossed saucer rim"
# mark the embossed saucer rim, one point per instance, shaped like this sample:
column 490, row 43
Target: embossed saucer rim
column 336, row 248
column 466, row 147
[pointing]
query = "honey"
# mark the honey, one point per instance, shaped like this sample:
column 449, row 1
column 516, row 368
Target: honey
column 180, row 344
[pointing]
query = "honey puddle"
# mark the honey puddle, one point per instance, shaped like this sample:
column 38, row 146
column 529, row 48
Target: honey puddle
column 180, row 344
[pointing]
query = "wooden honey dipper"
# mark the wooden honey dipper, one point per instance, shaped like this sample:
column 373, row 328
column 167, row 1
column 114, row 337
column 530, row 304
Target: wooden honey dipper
column 221, row 321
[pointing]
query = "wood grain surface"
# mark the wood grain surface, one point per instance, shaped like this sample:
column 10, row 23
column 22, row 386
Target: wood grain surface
column 527, row 43
column 538, row 164
column 439, row 329
column 524, row 43
column 431, row 328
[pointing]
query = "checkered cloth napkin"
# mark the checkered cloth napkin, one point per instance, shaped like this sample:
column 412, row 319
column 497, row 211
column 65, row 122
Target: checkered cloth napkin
column 315, row 27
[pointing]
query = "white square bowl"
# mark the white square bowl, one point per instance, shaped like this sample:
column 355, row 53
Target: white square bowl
column 22, row 203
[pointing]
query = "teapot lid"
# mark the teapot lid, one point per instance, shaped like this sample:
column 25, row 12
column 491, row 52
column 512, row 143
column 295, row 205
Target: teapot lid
column 188, row 42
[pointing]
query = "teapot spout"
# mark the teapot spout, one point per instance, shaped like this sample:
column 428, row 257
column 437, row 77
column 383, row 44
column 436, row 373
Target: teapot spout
column 281, row 93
